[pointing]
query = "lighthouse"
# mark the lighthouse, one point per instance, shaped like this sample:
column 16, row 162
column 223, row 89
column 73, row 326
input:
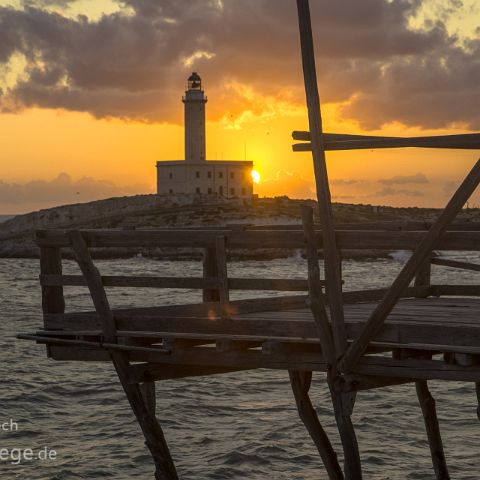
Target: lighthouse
column 195, row 175
column 194, row 101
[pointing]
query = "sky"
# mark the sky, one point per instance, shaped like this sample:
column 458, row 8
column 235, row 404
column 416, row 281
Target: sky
column 90, row 94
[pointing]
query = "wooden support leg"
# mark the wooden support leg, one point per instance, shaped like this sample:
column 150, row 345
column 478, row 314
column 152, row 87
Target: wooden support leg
column 140, row 399
column 300, row 382
column 477, row 390
column 141, row 403
column 427, row 403
column 148, row 394
column 343, row 407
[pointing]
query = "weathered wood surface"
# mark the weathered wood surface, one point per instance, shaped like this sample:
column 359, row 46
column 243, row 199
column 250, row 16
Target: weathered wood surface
column 334, row 141
column 140, row 400
column 418, row 258
column 429, row 411
column 333, row 274
column 275, row 284
column 301, row 382
column 446, row 262
column 346, row 239
column 436, row 325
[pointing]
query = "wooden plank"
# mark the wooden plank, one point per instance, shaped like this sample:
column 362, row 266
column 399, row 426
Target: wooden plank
column 457, row 290
column 445, row 262
column 132, row 281
column 417, row 369
column 153, row 372
column 331, row 258
column 346, row 239
column 469, row 141
column 419, row 256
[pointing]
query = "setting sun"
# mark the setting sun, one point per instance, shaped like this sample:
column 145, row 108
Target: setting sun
column 255, row 176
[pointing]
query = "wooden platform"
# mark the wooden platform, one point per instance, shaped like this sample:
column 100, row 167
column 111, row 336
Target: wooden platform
column 284, row 339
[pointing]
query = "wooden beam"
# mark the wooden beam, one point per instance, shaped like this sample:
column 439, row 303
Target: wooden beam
column 222, row 272
column 300, row 382
column 142, row 372
column 445, row 262
column 356, row 383
column 155, row 439
column 210, row 271
column 469, row 141
column 331, row 257
column 390, row 239
column 317, row 303
column 419, row 256
column 429, row 411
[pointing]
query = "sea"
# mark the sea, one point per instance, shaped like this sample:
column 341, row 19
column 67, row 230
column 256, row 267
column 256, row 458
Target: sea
column 69, row 420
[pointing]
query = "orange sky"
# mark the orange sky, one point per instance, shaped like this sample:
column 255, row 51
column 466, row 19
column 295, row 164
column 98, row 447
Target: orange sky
column 109, row 149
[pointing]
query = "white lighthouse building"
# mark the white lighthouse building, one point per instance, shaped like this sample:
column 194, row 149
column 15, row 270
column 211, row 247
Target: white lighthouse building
column 195, row 174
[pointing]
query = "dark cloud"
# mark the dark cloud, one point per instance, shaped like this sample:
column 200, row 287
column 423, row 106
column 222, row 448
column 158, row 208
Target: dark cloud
column 61, row 190
column 132, row 64
column 405, row 179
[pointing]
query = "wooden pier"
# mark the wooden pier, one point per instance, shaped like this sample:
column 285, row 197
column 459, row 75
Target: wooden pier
column 359, row 340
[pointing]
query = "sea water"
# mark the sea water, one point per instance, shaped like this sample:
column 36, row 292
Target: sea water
column 75, row 420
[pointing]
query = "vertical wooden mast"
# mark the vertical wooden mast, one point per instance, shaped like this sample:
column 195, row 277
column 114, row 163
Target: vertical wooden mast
column 331, row 254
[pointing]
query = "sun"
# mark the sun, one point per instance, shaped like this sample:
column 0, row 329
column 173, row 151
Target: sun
column 255, row 176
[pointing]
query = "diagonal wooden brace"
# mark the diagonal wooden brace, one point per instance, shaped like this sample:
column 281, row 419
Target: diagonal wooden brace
column 155, row 440
column 418, row 258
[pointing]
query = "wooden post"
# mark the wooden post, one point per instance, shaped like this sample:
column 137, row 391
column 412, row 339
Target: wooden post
column 53, row 300
column 155, row 440
column 343, row 408
column 427, row 404
column 148, row 393
column 301, row 382
column 210, row 271
column 420, row 255
column 423, row 277
column 317, row 304
column 222, row 274
column 51, row 264
column 332, row 272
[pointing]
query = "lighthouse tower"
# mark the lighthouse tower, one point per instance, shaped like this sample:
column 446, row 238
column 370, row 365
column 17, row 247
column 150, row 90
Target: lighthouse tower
column 196, row 175
column 194, row 101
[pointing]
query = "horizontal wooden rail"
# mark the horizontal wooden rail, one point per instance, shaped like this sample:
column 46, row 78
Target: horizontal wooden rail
column 444, row 262
column 455, row 290
column 359, row 240
column 469, row 141
column 375, row 226
column 274, row 284
column 131, row 281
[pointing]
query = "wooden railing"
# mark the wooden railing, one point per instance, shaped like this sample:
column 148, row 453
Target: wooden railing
column 216, row 283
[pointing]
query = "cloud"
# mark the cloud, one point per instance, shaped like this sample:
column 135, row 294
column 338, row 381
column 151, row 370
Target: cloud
column 132, row 63
column 405, row 179
column 61, row 190
column 389, row 192
column 342, row 182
